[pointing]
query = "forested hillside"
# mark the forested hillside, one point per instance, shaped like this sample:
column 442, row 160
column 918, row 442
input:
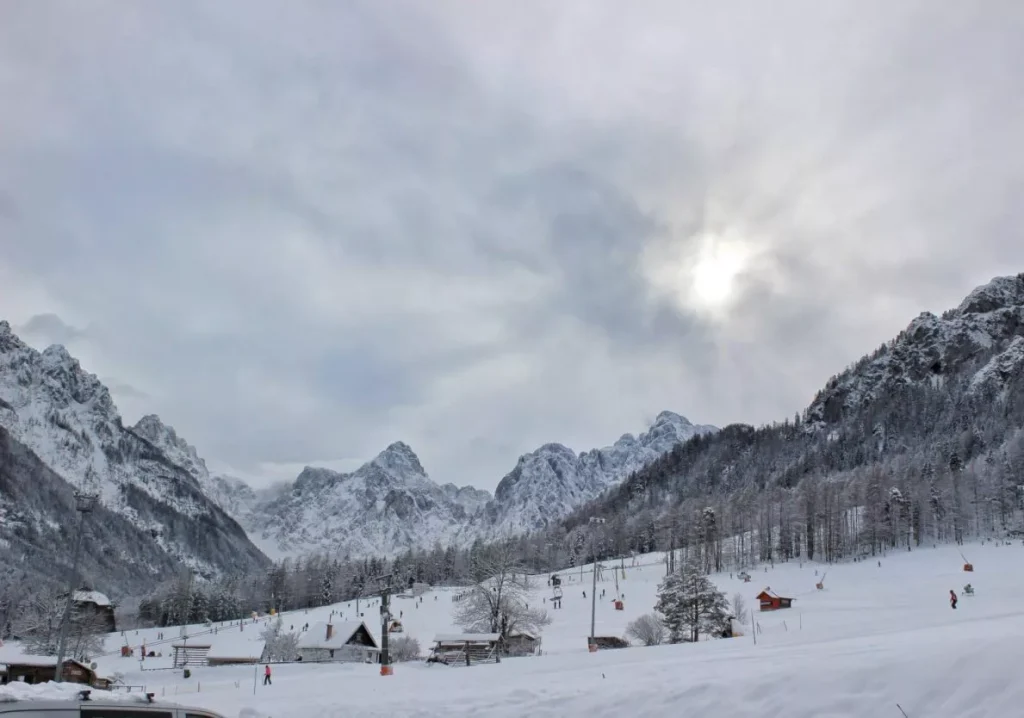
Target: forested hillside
column 919, row 442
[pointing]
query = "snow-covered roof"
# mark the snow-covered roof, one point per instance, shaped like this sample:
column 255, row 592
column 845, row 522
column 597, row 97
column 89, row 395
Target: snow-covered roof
column 316, row 636
column 522, row 634
column 91, row 597
column 236, row 645
column 464, row 637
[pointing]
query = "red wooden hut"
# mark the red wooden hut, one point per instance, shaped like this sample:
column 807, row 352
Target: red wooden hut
column 771, row 601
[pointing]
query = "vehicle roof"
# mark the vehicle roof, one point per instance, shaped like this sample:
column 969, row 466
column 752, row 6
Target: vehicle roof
column 49, row 703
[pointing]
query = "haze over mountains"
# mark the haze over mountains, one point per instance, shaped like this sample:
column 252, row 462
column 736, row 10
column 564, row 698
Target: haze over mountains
column 59, row 429
column 159, row 484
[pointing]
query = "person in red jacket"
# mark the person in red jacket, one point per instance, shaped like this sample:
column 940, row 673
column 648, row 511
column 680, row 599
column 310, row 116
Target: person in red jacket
column 266, row 676
column 952, row 599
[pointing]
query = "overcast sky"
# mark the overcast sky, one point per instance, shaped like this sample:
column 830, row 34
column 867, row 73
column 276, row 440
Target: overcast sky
column 299, row 231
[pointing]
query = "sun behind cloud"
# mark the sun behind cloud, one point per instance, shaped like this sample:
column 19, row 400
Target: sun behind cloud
column 700, row 274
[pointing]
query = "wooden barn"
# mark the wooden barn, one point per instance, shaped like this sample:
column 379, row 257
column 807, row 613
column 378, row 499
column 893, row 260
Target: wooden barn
column 771, row 601
column 465, row 649
column 347, row 641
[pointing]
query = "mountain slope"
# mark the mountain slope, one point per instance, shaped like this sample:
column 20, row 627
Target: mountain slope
column 930, row 349
column 233, row 495
column 37, row 510
column 921, row 440
column 67, row 418
column 550, row 482
column 387, row 505
column 390, row 504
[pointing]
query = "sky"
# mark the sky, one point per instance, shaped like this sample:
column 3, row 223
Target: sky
column 300, row 231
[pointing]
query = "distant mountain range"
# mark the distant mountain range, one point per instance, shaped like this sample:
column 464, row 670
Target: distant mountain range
column 60, row 423
column 390, row 504
column 946, row 381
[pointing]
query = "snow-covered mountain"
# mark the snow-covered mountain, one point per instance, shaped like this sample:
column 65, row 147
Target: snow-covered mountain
column 158, row 481
column 390, row 504
column 550, row 482
column 985, row 327
column 233, row 495
column 65, row 415
column 387, row 505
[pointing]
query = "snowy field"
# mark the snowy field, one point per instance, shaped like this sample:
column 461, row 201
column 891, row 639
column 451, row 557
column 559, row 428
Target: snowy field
column 874, row 638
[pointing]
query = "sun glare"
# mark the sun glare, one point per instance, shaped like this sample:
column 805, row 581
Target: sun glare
column 700, row 275
column 714, row 271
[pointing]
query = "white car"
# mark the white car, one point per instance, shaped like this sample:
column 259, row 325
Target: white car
column 88, row 707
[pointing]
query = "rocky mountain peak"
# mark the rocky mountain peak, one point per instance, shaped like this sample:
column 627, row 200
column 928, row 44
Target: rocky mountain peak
column 164, row 437
column 551, row 481
column 929, row 349
column 670, row 417
column 399, row 458
column 1000, row 293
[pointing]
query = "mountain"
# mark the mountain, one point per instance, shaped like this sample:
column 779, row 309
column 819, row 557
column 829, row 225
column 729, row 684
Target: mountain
column 65, row 416
column 233, row 495
column 385, row 506
column 920, row 441
column 929, row 350
column 36, row 506
column 391, row 505
column 550, row 482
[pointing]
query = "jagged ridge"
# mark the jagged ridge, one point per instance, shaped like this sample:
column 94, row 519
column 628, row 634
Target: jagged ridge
column 66, row 416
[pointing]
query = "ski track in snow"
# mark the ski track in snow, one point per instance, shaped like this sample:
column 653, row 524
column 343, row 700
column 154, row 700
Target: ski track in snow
column 875, row 637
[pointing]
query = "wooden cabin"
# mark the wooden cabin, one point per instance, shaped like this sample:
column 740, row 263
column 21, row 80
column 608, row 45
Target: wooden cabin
column 771, row 601
column 41, row 669
column 93, row 604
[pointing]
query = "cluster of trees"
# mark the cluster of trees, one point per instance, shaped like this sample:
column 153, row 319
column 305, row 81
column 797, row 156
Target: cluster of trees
column 35, row 618
column 689, row 607
column 925, row 464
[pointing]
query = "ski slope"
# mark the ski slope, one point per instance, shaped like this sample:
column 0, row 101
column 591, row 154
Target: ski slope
column 876, row 636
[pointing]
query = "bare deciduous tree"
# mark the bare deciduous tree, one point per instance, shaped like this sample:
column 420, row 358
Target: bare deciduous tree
column 739, row 605
column 647, row 629
column 38, row 625
column 498, row 602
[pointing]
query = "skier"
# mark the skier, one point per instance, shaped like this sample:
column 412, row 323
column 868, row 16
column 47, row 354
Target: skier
column 952, row 598
column 266, row 676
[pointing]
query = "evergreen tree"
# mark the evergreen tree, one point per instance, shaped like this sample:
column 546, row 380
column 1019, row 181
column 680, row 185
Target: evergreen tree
column 691, row 605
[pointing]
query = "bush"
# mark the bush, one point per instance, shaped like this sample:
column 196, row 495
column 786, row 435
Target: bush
column 647, row 629
column 405, row 648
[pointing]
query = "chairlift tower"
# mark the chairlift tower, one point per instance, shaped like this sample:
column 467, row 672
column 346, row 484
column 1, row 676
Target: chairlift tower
column 385, row 624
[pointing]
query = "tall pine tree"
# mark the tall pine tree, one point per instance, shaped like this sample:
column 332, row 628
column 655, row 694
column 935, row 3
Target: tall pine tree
column 691, row 604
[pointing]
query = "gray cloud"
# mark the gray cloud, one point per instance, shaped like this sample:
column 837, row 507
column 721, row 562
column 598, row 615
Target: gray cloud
column 50, row 329
column 300, row 237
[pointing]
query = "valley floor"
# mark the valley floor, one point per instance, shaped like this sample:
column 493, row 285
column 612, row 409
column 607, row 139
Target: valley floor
column 877, row 636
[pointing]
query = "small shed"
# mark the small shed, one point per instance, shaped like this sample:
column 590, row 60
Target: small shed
column 771, row 601
column 521, row 643
column 344, row 642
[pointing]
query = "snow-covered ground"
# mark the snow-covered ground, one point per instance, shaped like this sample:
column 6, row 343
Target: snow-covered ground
column 874, row 638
